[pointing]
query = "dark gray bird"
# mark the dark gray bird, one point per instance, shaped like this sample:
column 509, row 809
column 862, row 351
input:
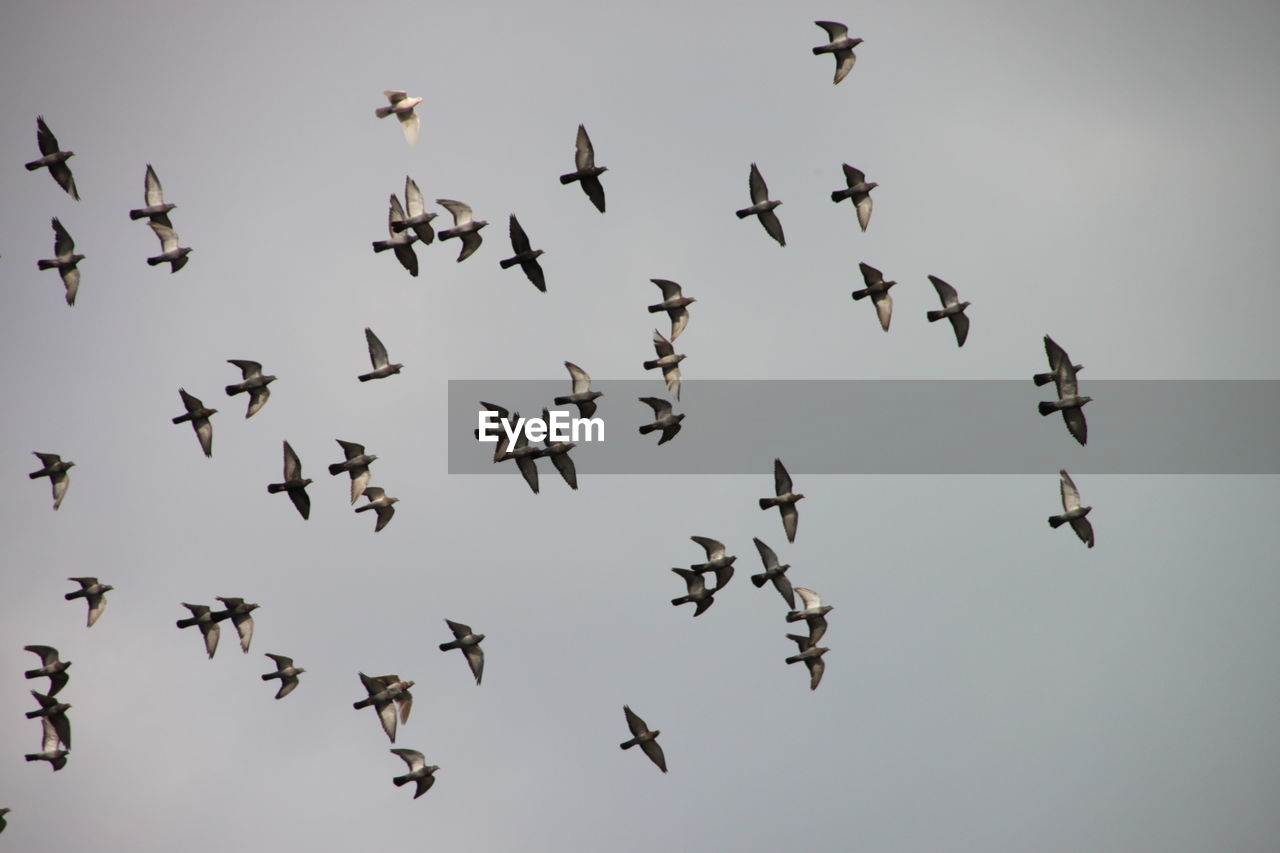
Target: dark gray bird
column 379, row 503
column 294, row 483
column 662, row 419
column 503, row 416
column 774, row 572
column 170, row 252
column 785, row 499
column 403, row 108
column 400, row 241
column 254, row 383
column 1073, row 514
column 840, row 45
column 859, row 190
column 419, row 771
column 3, row 822
column 49, row 750
column 668, row 360
column 356, row 464
column 717, row 561
column 465, row 227
column 92, row 592
column 382, row 366
column 586, row 172
column 582, row 397
column 155, row 208
column 646, row 739
column 814, row 613
column 697, row 591
column 202, row 616
column 525, row 255
column 467, row 640
column 761, row 207
column 878, row 289
column 56, row 713
column 675, row 303
column 199, row 416
column 811, row 654
column 52, row 466
column 241, row 615
column 558, row 453
column 52, row 668
column 952, row 309
column 415, row 215
column 1069, row 401
column 386, row 694
column 1057, row 356
column 65, row 260
column 286, row 672
column 54, row 158
column 524, row 455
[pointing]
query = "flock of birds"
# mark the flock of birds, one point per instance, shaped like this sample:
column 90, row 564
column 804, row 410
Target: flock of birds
column 410, row 224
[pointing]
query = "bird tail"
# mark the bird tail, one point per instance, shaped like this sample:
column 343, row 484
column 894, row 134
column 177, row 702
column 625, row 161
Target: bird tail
column 137, row 214
column 794, row 659
column 151, row 262
column 508, row 263
column 276, row 487
column 35, row 474
column 860, row 294
column 564, row 179
column 744, row 213
column 402, row 780
column 365, row 507
column 79, row 593
column 186, row 623
column 794, row 616
column 444, row 647
column 650, row 365
column 380, row 245
column 648, row 428
column 629, row 744
column 269, row 676
column 1042, row 378
column 233, row 390
column 363, row 703
column 818, row 51
column 1056, row 521
column 654, row 309
column 934, row 316
column 839, row 195
column 759, row 580
column 684, row 599
column 46, row 265
column 335, row 468
column 180, row 419
column 364, row 377
column 1046, row 408
column 561, row 401
column 765, row 503
column 383, row 112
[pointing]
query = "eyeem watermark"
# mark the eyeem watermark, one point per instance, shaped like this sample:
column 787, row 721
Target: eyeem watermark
column 561, row 426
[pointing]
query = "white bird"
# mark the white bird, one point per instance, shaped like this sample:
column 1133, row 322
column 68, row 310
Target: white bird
column 403, row 107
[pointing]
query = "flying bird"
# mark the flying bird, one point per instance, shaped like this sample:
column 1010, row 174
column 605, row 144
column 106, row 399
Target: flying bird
column 1074, row 514
column 254, row 383
column 50, row 666
column 94, row 593
column 698, row 594
column 286, row 672
column 524, row 455
column 814, row 614
column 1069, row 401
column 558, row 453
column 784, row 500
column 49, row 750
column 1057, row 356
column 811, row 654
column 294, row 483
column 469, row 641
column 878, row 289
column 761, row 207
column 662, row 419
column 774, row 572
column 55, row 469
column 840, row 45
column 582, row 397
column 56, row 713
column 241, row 615
column 675, row 303
column 419, row 771
column 416, row 216
column 199, row 416
column 668, row 360
column 465, row 227
column 356, row 464
column 859, row 190
column 382, row 366
column 504, row 417
column 386, row 694
column 381, row 504
column 400, row 242
column 646, row 739
column 717, row 561
column 586, row 172
column 952, row 309
column 403, row 108
column 525, row 255
column 53, row 158
column 154, row 206
column 65, row 260
column 3, row 822
column 170, row 252
column 202, row 616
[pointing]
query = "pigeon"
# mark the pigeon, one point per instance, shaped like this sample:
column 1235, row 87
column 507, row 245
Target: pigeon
column 49, row 750
column 417, row 217
column 504, row 417
column 386, row 694
column 675, row 303
column 582, row 397
column 668, row 360
column 697, row 591
column 952, row 309
column 859, row 190
column 811, row 654
column 92, row 592
column 65, row 260
column 382, row 366
column 201, row 615
column 1069, row 401
column 419, row 771
column 814, row 613
column 1057, row 355
column 524, row 455
column 402, row 105
column 558, row 453
column 380, row 503
column 774, row 572
column 464, row 227
column 586, row 172
column 254, row 382
column 294, row 483
column 762, row 207
column 840, row 45
column 1074, row 513
column 156, row 210
column 3, row 822
column 170, row 251
column 662, row 419
column 525, row 255
column 199, row 416
column 878, row 289
column 469, row 642
column 357, row 465
column 286, row 672
column 52, row 466
column 399, row 242
column 716, row 562
column 50, row 666
column 785, row 500
column 56, row 713
column 55, row 159
column 241, row 615
column 647, row 739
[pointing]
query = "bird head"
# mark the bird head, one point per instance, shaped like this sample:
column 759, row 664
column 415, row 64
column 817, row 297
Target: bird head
column 964, row 305
column 308, row 481
column 432, row 769
column 371, row 459
column 1084, row 400
column 479, row 637
column 107, row 588
column 267, row 380
column 66, row 465
column 871, row 186
column 678, row 418
column 595, row 394
column 209, row 412
column 298, row 670
column 392, row 501
column 680, row 357
column 855, row 42
column 654, row 733
column 799, row 497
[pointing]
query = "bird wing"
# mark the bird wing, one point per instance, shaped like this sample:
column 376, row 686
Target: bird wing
column 153, row 194
column 192, row 404
column 834, row 29
column 377, row 352
column 812, row 601
column 461, row 212
column 416, row 760
column 852, row 176
column 211, row 633
column 470, row 242
column 790, row 517
column 884, row 308
column 671, row 373
column 1070, row 494
column 661, row 345
column 47, row 459
column 387, row 716
column 773, row 226
column 519, row 240
column 384, row 517
column 946, row 292
column 870, row 275
column 692, row 580
column 960, row 323
column 48, row 735
column 581, row 379
column 1076, row 424
column 44, row 137
column 670, row 290
column 756, row 185
column 781, row 479
column 817, row 666
column 257, row 399
column 714, row 549
column 97, row 604
column 1057, row 355
column 350, row 449
column 48, row 654
column 564, row 464
column 528, row 468
column 475, row 659
column 1083, row 529
column 660, row 406
column 863, row 206
column 844, row 64
column 411, row 124
column 374, row 493
column 360, row 483
column 248, row 369
column 413, row 200
column 584, row 155
column 84, row 582
column 595, row 191
column 459, row 630
column 292, row 465
column 395, row 214
column 634, row 723
column 282, row 662
column 654, row 752
column 395, row 96
column 168, row 237
column 783, row 586
column 767, row 556
column 63, row 245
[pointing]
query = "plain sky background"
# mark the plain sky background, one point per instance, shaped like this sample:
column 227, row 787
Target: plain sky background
column 1099, row 171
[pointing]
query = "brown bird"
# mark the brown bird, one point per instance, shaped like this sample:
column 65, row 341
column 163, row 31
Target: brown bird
column 646, row 739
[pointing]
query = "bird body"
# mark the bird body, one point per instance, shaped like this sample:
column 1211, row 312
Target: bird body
column 775, row 573
column 811, row 654
column 356, row 464
column 94, row 593
column 859, row 190
column 382, row 366
column 65, row 261
column 52, row 466
column 202, row 616
column 469, row 641
column 56, row 713
column 675, row 303
column 698, row 594
column 952, row 308
column 785, row 499
column 402, row 106
column 647, row 740
column 53, row 158
column 379, row 503
column 465, row 227
column 1073, row 513
column 154, row 206
column 586, row 172
column 198, row 414
column 50, row 666
column 581, row 396
column 49, row 750
column 286, row 672
column 170, row 252
column 762, row 207
column 399, row 241
column 668, row 360
column 841, row 45
column 878, row 289
column 663, row 419
column 419, row 771
column 415, row 216
column 525, row 255
column 254, row 383
column 814, row 614
column 1069, row 402
column 294, row 483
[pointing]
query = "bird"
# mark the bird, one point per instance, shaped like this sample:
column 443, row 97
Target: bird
column 668, row 360
column 558, row 453
column 94, row 593
column 952, row 309
column 525, row 255
column 582, row 396
column 859, row 190
column 286, row 672
column 1069, row 402
column 357, row 464
column 698, row 593
column 199, row 416
column 403, row 107
column 504, row 417
column 241, row 615
column 524, row 455
column 814, row 613
column 380, row 503
column 675, row 303
column 646, row 739
column 155, row 208
column 254, row 382
column 387, row 693
column 419, row 771
column 399, row 242
column 761, row 207
column 382, row 366
column 586, row 172
column 50, row 666
column 415, row 214
column 202, row 616
column 54, row 158
column 56, row 713
column 840, row 45
column 878, row 289
column 170, row 251
column 3, row 822
column 49, row 750
column 663, row 419
column 294, row 483
column 469, row 641
column 717, row 561
column 774, row 572
column 465, row 227
column 1074, row 514
column 1057, row 355
column 52, row 466
column 785, row 499
column 811, row 654
column 65, row 260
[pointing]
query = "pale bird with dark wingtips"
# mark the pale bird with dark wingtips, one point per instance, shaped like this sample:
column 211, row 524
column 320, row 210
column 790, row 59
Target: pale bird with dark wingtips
column 49, row 747
column 669, row 360
column 254, row 383
column 202, row 616
column 53, row 158
column 582, row 396
column 356, row 464
column 717, row 561
column 286, row 672
column 952, row 308
column 675, row 303
column 859, row 190
column 762, row 207
column 50, row 667
column 94, row 593
column 419, row 771
column 774, row 572
column 811, row 654
column 154, row 208
column 198, row 414
column 647, row 740
column 586, row 172
column 525, row 255
column 65, row 260
column 814, row 613
column 382, row 366
column 56, row 713
column 663, row 419
column 1073, row 513
column 840, row 45
column 294, row 483
column 784, row 499
column 170, row 252
column 1069, row 401
column 465, row 227
column 697, row 592
column 415, row 215
column 878, row 289
column 469, row 641
column 402, row 106
column 399, row 241
column 380, row 503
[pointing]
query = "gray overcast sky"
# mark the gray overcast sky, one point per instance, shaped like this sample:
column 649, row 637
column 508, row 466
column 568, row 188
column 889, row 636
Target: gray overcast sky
column 1100, row 171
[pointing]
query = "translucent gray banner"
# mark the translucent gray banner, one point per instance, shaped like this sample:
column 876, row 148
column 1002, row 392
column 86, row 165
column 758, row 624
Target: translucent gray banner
column 899, row 427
